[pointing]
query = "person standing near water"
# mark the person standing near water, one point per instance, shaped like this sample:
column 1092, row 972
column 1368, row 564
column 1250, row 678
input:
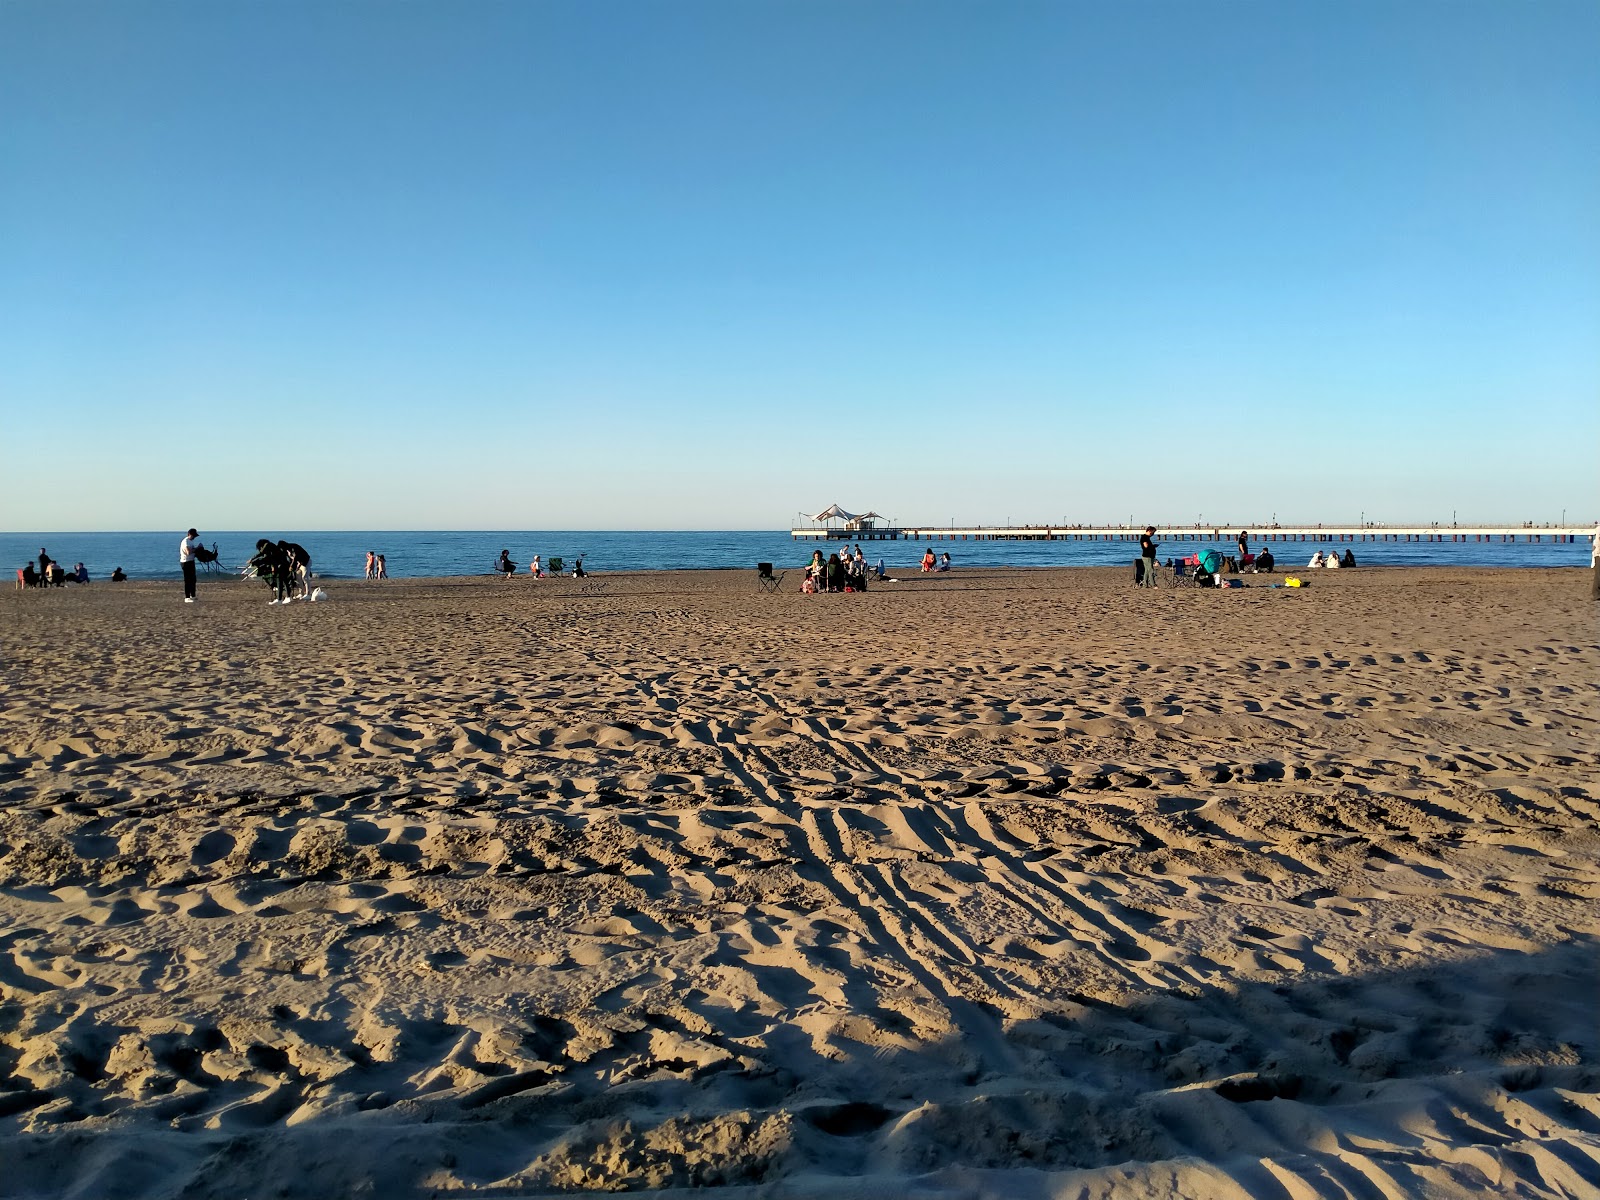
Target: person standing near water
column 1147, row 551
column 1244, row 544
column 186, row 560
column 1594, row 563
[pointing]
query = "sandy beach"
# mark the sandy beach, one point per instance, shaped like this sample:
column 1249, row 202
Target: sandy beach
column 996, row 883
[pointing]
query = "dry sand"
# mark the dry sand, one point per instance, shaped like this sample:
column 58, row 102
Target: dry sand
column 999, row 883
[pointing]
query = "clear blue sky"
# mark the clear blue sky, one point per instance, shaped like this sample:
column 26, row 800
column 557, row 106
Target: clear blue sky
column 688, row 265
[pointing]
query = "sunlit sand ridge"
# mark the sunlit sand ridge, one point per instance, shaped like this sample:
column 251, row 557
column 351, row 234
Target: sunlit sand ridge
column 1013, row 883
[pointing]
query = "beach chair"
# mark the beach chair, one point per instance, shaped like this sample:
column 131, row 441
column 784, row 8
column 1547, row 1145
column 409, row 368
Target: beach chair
column 1182, row 574
column 767, row 581
column 553, row 567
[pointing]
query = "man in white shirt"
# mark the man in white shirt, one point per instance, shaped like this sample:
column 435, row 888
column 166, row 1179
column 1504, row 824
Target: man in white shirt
column 186, row 549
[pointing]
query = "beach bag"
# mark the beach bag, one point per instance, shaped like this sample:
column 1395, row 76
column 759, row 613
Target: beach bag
column 1292, row 581
column 318, row 594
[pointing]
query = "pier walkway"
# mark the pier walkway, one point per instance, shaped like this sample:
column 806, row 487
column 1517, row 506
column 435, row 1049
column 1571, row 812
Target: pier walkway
column 1198, row 533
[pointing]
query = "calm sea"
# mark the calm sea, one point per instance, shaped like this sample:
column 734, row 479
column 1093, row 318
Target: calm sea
column 341, row 554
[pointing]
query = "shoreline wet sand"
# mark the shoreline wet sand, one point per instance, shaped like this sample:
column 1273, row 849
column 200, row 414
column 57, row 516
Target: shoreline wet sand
column 998, row 882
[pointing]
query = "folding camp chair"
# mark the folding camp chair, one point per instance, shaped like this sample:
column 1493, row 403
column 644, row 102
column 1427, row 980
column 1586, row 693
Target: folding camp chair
column 768, row 581
column 553, row 567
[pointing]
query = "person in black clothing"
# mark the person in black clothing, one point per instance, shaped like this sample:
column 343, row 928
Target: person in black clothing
column 505, row 566
column 1264, row 562
column 1244, row 545
column 271, row 562
column 1147, row 551
column 44, row 563
column 118, row 577
column 299, row 568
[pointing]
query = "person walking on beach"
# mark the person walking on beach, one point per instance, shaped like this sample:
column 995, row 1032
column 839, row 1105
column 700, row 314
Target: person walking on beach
column 1147, row 551
column 383, row 568
column 186, row 560
column 372, row 565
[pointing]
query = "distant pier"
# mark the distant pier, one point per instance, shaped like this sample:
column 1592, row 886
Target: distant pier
column 1197, row 533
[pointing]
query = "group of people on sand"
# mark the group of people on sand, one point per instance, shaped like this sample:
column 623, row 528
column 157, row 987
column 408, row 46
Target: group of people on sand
column 931, row 563
column 286, row 567
column 505, row 566
column 1206, row 567
column 846, row 572
column 1331, row 560
column 1261, row 563
column 50, row 573
column 377, row 568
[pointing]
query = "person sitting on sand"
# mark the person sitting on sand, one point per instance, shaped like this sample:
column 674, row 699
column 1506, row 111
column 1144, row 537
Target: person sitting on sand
column 835, row 577
column 928, row 560
column 1331, row 562
column 505, row 566
column 58, row 574
column 118, row 577
column 817, row 570
column 27, row 577
column 577, row 569
column 1316, row 560
column 944, row 561
column 1264, row 562
column 80, row 574
column 1349, row 559
column 879, row 570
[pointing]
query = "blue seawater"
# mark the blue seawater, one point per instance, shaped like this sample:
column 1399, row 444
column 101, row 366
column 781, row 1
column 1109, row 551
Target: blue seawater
column 342, row 554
